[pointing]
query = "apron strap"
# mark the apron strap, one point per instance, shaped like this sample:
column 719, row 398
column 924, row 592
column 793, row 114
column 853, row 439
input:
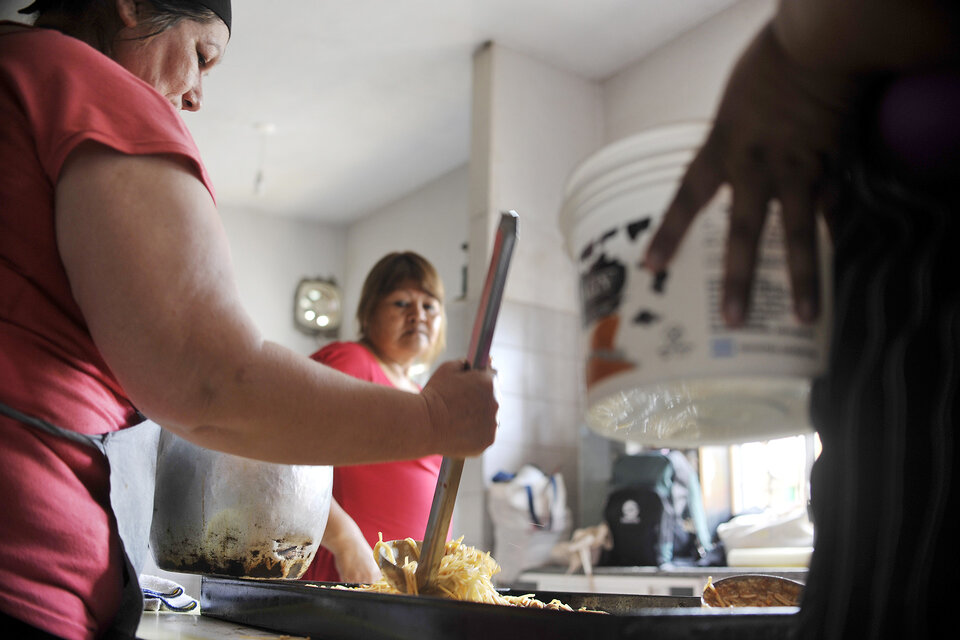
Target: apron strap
column 52, row 429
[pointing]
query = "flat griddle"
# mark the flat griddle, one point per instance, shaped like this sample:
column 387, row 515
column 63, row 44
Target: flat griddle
column 314, row 610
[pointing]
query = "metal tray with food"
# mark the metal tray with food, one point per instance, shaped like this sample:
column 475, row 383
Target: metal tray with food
column 319, row 610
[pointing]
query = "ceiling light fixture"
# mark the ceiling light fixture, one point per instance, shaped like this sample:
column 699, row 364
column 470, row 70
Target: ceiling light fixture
column 264, row 129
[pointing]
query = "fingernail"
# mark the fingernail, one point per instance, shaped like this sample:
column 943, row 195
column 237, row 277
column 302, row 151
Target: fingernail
column 806, row 310
column 733, row 312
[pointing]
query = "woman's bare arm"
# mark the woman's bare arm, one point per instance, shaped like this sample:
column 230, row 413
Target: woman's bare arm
column 352, row 555
column 149, row 266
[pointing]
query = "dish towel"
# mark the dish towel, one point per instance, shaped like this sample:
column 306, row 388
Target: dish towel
column 160, row 594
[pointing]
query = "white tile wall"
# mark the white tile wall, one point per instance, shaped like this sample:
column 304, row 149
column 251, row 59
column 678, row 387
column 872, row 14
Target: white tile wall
column 534, row 351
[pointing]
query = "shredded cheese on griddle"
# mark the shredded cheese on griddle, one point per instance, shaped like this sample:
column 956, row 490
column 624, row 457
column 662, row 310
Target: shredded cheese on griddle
column 465, row 573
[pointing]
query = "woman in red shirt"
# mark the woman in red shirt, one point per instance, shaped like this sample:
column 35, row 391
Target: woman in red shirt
column 117, row 296
column 402, row 324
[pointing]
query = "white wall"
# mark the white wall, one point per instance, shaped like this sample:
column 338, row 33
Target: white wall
column 270, row 256
column 531, row 124
column 683, row 79
column 431, row 221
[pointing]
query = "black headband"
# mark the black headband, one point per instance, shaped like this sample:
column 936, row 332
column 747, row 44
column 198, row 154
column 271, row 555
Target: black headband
column 219, row 7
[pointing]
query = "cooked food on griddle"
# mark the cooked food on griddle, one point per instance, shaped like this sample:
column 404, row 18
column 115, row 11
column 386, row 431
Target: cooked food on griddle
column 752, row 591
column 465, row 574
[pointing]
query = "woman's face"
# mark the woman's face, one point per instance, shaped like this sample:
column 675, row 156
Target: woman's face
column 406, row 323
column 175, row 60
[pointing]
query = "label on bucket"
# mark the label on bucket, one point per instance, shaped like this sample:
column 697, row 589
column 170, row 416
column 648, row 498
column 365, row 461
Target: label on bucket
column 661, row 367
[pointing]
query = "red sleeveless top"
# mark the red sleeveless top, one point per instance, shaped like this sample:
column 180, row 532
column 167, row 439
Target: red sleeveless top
column 60, row 563
column 390, row 497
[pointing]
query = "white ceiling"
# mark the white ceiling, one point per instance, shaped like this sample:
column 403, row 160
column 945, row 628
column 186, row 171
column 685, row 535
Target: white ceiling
column 369, row 99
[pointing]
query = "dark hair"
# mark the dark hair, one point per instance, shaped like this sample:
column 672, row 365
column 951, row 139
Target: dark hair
column 390, row 272
column 99, row 17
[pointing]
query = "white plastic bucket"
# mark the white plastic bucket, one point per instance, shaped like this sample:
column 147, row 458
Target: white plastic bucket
column 661, row 368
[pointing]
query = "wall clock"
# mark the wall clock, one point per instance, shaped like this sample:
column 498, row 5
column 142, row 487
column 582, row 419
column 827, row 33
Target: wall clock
column 317, row 306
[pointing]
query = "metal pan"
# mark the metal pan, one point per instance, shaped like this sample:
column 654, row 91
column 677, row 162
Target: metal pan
column 314, row 610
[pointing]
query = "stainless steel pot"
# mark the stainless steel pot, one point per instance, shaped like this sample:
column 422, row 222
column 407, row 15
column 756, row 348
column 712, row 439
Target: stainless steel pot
column 216, row 513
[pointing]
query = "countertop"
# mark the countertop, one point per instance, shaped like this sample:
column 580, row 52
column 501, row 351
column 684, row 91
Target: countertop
column 676, row 570
column 665, row 580
column 666, row 571
column 191, row 626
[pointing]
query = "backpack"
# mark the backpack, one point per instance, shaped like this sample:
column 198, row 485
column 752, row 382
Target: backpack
column 655, row 511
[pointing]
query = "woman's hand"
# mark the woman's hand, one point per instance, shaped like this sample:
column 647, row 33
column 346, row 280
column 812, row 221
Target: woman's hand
column 352, row 555
column 354, row 562
column 775, row 137
column 462, row 406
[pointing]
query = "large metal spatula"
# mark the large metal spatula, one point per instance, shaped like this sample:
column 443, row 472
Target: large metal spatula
column 428, row 554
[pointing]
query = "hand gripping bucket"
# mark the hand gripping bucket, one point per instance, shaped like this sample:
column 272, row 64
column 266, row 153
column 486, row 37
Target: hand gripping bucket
column 660, row 367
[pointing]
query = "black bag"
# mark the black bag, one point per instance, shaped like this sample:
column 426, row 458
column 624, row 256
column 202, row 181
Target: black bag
column 655, row 511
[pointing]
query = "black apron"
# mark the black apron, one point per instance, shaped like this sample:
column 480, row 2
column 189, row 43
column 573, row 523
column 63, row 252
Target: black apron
column 131, row 455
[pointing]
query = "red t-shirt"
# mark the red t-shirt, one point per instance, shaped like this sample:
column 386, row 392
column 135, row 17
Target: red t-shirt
column 390, row 497
column 60, row 564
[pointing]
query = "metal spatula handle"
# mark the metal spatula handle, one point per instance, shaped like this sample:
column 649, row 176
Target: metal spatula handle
column 478, row 354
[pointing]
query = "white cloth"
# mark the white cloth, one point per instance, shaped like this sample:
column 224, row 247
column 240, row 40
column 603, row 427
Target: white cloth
column 160, row 594
column 584, row 549
column 772, row 528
